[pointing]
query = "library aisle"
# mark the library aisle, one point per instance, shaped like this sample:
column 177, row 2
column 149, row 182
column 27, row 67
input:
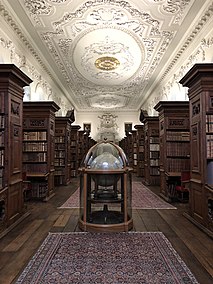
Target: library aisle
column 22, row 242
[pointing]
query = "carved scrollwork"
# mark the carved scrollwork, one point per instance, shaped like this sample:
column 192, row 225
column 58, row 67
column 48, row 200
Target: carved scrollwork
column 196, row 109
column 38, row 7
column 194, row 131
column 15, row 108
column 37, row 122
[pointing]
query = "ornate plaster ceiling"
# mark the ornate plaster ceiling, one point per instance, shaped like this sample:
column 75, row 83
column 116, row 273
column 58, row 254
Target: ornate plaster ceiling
column 107, row 54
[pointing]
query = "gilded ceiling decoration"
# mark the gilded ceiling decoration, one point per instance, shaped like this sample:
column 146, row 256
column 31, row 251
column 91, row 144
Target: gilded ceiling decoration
column 107, row 54
column 107, row 63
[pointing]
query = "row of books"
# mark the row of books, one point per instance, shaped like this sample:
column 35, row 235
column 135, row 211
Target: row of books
column 209, row 123
column 154, row 155
column 59, row 180
column 1, row 138
column 141, row 156
column 154, row 147
column 34, row 146
column 177, row 165
column 141, row 149
column 59, row 139
column 39, row 190
column 177, row 149
column 35, row 135
column 58, row 172
column 154, row 163
column 154, row 171
column 35, row 168
column 59, row 163
column 35, row 157
column 60, row 154
column 177, row 136
column 73, row 143
column 2, row 158
column 154, row 140
column 1, row 177
column 2, row 119
column 209, row 146
column 59, row 147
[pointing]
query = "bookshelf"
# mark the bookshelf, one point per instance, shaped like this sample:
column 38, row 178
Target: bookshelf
column 134, row 149
column 39, row 147
column 124, row 146
column 129, row 148
column 74, row 137
column 174, row 145
column 199, row 80
column 62, row 162
column 12, row 81
column 83, row 145
column 140, row 140
column 151, row 159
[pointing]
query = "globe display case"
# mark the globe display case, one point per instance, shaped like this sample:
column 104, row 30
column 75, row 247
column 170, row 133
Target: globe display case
column 105, row 190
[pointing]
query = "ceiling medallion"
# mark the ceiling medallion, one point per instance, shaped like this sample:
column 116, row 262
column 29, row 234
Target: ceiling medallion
column 107, row 63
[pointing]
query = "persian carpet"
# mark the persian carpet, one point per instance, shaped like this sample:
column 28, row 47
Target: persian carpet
column 142, row 198
column 106, row 258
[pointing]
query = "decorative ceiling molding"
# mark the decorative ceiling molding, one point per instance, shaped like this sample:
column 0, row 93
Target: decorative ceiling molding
column 8, row 18
column 107, row 53
column 196, row 30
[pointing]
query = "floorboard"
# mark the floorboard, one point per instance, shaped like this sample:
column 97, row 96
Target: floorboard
column 21, row 243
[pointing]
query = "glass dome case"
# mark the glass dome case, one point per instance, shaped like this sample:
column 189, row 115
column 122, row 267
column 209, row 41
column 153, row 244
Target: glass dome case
column 105, row 189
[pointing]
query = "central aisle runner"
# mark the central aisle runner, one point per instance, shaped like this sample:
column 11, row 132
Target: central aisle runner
column 142, row 198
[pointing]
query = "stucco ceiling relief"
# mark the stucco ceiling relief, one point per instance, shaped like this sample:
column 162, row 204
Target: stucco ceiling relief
column 106, row 54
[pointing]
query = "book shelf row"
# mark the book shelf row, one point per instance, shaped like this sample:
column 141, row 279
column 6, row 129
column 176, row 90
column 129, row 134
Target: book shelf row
column 209, row 146
column 34, row 146
column 177, row 136
column 35, row 135
column 209, row 123
column 178, row 149
column 2, row 120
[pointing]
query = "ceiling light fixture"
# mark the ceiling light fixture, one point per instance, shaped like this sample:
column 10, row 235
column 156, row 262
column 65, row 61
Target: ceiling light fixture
column 107, row 63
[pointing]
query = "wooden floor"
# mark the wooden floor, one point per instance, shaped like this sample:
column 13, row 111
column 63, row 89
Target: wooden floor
column 17, row 247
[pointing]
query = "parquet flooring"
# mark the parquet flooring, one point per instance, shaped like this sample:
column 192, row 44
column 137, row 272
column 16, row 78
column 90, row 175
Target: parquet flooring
column 18, row 246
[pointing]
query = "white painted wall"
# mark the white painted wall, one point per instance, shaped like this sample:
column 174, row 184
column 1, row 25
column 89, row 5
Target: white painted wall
column 92, row 118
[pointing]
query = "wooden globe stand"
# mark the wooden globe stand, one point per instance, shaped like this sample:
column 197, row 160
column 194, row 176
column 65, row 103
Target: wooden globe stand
column 105, row 199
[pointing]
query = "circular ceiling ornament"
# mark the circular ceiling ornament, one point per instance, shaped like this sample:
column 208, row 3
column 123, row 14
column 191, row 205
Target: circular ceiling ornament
column 107, row 63
column 108, row 56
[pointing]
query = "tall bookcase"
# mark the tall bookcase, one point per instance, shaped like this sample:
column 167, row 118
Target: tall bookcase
column 62, row 174
column 12, row 81
column 39, row 147
column 174, row 145
column 199, row 80
column 129, row 148
column 74, row 137
column 134, row 151
column 83, row 145
column 140, row 140
column 151, row 163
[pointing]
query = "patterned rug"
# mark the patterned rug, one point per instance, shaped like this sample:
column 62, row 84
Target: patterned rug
column 142, row 198
column 106, row 258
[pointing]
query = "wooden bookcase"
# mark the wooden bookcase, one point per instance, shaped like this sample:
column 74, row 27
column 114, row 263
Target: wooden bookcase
column 83, row 145
column 39, row 147
column 151, row 163
column 12, row 81
column 129, row 148
column 199, row 80
column 134, row 146
column 174, row 145
column 123, row 145
column 140, row 140
column 74, row 137
column 62, row 174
